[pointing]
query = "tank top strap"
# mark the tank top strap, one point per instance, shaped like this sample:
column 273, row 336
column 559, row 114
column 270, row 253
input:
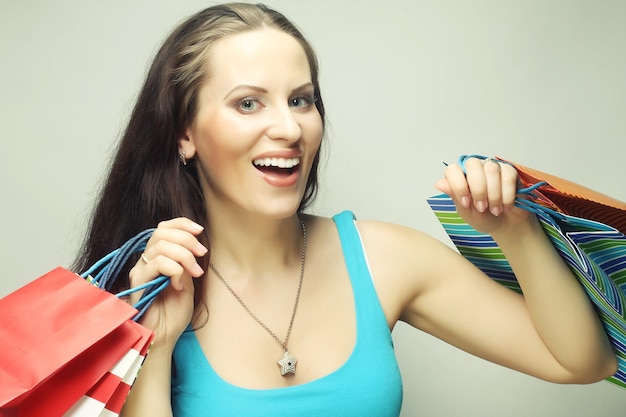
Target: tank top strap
column 367, row 304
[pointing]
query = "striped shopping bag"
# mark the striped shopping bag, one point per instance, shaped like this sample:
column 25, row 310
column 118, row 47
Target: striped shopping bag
column 594, row 250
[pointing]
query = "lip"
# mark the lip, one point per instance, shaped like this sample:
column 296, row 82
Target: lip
column 280, row 181
column 286, row 153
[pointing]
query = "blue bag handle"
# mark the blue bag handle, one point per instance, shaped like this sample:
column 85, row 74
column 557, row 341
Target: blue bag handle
column 530, row 203
column 103, row 272
column 520, row 202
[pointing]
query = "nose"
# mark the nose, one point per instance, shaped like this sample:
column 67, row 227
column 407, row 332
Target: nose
column 284, row 124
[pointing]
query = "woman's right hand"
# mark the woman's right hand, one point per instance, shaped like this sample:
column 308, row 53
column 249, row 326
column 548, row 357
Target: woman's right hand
column 171, row 251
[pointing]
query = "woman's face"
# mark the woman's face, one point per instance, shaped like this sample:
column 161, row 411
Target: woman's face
column 257, row 129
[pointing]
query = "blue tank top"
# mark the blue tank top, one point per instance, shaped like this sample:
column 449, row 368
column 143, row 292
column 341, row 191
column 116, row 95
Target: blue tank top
column 367, row 384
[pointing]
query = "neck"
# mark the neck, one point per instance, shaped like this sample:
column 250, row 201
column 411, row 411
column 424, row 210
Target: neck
column 251, row 245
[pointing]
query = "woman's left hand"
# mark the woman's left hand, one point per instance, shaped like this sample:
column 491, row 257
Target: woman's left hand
column 484, row 195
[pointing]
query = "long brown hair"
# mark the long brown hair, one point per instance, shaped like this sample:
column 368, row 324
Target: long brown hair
column 146, row 183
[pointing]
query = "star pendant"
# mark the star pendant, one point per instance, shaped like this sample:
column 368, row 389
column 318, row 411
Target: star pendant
column 287, row 364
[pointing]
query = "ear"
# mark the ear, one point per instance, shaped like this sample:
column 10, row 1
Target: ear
column 186, row 144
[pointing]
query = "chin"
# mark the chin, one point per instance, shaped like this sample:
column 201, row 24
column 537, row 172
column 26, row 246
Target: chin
column 280, row 209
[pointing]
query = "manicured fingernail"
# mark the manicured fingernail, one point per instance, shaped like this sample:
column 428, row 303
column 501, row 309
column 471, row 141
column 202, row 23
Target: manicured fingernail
column 196, row 226
column 465, row 202
column 201, row 249
column 481, row 206
column 496, row 211
column 197, row 270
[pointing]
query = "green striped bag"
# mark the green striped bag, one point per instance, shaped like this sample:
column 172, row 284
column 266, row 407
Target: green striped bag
column 594, row 251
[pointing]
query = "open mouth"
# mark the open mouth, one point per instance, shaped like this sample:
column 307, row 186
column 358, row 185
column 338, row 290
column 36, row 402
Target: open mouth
column 277, row 166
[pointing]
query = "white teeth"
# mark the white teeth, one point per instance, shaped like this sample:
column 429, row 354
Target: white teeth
column 277, row 162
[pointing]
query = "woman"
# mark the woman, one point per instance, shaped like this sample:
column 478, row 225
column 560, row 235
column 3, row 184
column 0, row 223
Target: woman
column 272, row 311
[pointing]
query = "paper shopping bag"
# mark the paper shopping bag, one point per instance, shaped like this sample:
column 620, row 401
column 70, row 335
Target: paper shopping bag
column 67, row 386
column 64, row 337
column 110, row 392
column 573, row 199
column 594, row 251
column 48, row 323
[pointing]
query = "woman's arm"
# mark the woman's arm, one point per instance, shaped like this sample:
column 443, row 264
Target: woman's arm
column 558, row 306
column 551, row 332
column 171, row 251
column 150, row 395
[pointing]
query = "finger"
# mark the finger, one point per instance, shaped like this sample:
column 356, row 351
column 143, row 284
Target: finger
column 443, row 186
column 455, row 185
column 509, row 178
column 171, row 251
column 477, row 183
column 165, row 249
column 181, row 223
column 493, row 172
column 177, row 236
column 141, row 274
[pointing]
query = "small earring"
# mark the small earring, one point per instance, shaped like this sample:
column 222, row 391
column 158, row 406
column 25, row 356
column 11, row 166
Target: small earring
column 182, row 157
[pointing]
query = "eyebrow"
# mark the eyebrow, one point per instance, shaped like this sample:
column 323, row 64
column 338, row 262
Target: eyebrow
column 262, row 90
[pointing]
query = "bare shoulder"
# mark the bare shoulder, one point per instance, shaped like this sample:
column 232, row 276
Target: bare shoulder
column 391, row 233
column 374, row 229
column 400, row 243
column 394, row 252
column 404, row 262
column 390, row 238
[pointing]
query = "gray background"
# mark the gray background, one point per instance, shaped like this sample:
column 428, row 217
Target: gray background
column 407, row 84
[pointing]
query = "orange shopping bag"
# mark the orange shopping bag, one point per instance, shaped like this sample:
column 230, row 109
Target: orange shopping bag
column 572, row 199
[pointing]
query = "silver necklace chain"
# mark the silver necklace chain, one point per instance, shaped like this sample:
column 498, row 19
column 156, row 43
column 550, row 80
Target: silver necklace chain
column 287, row 362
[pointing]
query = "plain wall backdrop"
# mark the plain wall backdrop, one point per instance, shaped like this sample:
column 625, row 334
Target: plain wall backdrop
column 407, row 84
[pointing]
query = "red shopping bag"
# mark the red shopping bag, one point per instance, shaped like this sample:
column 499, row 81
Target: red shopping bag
column 65, row 340
column 91, row 369
column 111, row 390
column 59, row 333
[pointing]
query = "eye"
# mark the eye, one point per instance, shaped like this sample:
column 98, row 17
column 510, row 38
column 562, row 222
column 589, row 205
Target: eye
column 302, row 101
column 248, row 105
